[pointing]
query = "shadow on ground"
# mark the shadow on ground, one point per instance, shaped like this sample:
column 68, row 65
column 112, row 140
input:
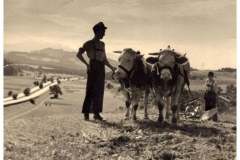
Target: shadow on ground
column 149, row 126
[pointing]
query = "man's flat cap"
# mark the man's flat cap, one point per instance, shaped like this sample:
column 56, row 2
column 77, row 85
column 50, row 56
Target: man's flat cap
column 99, row 26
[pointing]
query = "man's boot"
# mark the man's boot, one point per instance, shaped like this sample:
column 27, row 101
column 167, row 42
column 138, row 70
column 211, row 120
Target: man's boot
column 215, row 118
column 97, row 117
column 86, row 116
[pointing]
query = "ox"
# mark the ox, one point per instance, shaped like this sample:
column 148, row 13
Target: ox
column 133, row 73
column 169, row 75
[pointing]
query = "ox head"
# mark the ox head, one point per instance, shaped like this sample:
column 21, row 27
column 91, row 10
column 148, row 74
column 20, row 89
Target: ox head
column 166, row 63
column 127, row 61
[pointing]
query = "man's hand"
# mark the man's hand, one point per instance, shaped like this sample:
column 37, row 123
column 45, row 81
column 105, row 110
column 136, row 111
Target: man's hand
column 110, row 66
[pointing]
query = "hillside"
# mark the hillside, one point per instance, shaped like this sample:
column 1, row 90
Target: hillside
column 49, row 59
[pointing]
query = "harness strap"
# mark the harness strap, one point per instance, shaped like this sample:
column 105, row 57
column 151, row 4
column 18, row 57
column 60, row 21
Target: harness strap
column 127, row 81
column 124, row 69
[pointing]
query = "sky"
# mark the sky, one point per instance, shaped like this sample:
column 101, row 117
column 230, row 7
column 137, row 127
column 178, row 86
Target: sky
column 204, row 29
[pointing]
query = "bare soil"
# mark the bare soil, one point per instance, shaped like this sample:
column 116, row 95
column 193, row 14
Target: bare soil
column 55, row 129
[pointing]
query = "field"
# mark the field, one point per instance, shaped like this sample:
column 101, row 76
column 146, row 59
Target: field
column 223, row 79
column 16, row 84
column 55, row 129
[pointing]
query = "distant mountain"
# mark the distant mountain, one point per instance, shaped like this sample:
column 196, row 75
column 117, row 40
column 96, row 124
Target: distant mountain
column 57, row 60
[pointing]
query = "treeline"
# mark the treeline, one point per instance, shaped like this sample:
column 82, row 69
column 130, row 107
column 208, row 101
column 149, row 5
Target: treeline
column 9, row 69
column 193, row 69
column 227, row 69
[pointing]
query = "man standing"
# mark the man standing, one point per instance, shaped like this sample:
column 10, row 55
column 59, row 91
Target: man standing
column 93, row 102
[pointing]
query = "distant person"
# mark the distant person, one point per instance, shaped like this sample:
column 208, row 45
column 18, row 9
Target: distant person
column 95, row 48
column 211, row 94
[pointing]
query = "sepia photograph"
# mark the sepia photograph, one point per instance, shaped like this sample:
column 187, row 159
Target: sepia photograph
column 119, row 80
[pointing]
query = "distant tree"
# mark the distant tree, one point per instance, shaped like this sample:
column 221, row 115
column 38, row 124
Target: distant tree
column 36, row 83
column 27, row 91
column 10, row 69
column 44, row 80
column 41, row 85
column 227, row 69
column 10, row 93
column 58, row 81
column 15, row 95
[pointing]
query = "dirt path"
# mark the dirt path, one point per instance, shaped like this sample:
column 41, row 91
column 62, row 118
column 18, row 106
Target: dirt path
column 58, row 132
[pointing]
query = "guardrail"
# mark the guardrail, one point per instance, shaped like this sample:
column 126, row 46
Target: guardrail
column 34, row 93
column 34, row 89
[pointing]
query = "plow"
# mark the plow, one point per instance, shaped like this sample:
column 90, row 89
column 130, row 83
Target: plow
column 194, row 108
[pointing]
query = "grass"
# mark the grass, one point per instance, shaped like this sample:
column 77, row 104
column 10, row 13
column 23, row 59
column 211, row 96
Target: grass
column 16, row 84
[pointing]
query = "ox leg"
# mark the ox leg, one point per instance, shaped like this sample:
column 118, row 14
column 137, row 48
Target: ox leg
column 146, row 104
column 160, row 108
column 176, row 98
column 134, row 108
column 136, row 96
column 128, row 103
column 174, row 113
column 168, row 106
column 175, row 109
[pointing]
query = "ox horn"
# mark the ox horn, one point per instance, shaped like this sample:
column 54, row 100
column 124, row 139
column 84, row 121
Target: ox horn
column 154, row 53
column 118, row 52
column 138, row 52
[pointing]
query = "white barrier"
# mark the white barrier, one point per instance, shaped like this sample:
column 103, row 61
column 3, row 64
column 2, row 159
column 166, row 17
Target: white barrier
column 31, row 96
column 34, row 89
column 224, row 99
column 34, row 93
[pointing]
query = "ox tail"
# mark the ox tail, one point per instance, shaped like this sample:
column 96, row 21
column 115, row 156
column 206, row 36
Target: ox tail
column 189, row 90
column 186, row 78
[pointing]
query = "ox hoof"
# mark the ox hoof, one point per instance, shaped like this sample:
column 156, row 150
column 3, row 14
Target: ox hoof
column 174, row 120
column 126, row 118
column 134, row 118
